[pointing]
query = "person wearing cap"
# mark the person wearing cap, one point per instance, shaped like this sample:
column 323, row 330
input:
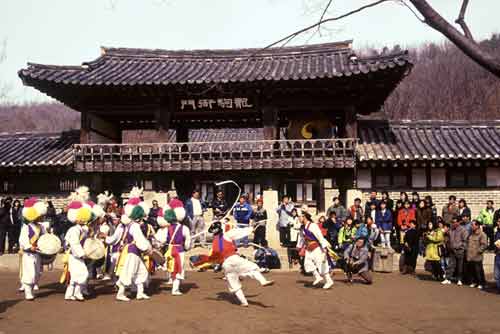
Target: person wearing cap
column 259, row 217
column 76, row 273
column 316, row 251
column 242, row 213
column 178, row 240
column 130, row 267
column 356, row 261
column 225, row 253
column 31, row 265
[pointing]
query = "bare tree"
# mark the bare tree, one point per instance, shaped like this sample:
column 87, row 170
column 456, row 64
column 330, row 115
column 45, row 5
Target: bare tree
column 463, row 40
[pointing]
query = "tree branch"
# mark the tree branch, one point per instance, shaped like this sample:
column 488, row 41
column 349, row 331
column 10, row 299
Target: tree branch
column 468, row 46
column 323, row 15
column 293, row 35
column 461, row 20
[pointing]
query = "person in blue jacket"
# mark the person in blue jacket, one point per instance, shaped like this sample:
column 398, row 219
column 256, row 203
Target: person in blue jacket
column 383, row 219
column 242, row 213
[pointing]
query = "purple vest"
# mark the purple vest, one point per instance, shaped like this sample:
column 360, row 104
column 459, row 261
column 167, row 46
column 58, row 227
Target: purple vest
column 116, row 247
column 129, row 240
column 178, row 242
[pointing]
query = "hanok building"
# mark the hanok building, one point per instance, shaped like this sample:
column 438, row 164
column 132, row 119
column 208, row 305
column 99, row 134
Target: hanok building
column 287, row 119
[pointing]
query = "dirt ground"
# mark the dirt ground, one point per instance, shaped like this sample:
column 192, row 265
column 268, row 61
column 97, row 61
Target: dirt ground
column 394, row 304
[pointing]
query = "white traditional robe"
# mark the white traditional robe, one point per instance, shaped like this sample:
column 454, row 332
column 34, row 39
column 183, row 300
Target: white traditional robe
column 315, row 259
column 76, row 264
column 114, row 242
column 134, row 270
column 162, row 236
column 31, row 263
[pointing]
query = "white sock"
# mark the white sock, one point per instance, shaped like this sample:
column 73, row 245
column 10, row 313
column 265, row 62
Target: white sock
column 328, row 278
column 70, row 290
column 176, row 285
column 259, row 277
column 316, row 275
column 78, row 290
column 121, row 290
column 28, row 291
column 241, row 297
column 140, row 289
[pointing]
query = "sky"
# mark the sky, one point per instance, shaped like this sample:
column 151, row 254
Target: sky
column 69, row 32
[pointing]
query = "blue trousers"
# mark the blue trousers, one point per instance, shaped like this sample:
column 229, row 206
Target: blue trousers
column 497, row 271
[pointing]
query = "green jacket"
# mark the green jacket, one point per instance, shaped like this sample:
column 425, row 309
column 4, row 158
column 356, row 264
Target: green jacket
column 486, row 217
column 346, row 235
column 434, row 239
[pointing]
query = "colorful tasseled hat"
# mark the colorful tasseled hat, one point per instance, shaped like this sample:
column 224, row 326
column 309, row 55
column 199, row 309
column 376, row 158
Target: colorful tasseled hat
column 136, row 208
column 160, row 218
column 33, row 209
column 97, row 210
column 79, row 207
column 176, row 211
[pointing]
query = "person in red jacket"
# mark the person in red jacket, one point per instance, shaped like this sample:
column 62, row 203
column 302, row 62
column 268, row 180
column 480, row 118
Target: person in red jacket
column 225, row 252
column 405, row 215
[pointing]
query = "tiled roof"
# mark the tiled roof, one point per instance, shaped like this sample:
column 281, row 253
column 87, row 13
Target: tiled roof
column 428, row 140
column 122, row 66
column 37, row 149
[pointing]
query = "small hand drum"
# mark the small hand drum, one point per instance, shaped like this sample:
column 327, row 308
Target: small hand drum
column 94, row 249
column 49, row 244
column 158, row 257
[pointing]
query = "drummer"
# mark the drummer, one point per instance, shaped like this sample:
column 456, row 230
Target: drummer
column 178, row 241
column 130, row 267
column 31, row 231
column 75, row 270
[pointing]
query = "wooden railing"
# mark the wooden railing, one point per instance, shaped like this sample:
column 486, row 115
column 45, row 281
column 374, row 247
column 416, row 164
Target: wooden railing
column 237, row 155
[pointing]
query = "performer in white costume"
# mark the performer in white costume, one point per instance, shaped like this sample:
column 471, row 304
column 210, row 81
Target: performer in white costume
column 316, row 259
column 75, row 272
column 130, row 267
column 225, row 252
column 31, row 231
column 178, row 240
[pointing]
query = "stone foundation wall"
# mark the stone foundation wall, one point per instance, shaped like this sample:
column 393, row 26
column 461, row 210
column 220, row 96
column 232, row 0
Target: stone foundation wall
column 475, row 198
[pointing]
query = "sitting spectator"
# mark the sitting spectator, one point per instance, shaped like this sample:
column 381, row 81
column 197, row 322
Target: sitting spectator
column 486, row 219
column 457, row 241
column 356, row 211
column 410, row 248
column 433, row 238
column 346, row 234
column 322, row 226
column 373, row 233
column 384, row 222
column 355, row 259
column 476, row 245
column 361, row 230
column 266, row 257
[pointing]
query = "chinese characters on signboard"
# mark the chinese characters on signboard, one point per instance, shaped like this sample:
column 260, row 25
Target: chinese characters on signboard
column 215, row 104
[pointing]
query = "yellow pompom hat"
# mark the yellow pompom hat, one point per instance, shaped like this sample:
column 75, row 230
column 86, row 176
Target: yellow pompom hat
column 33, row 209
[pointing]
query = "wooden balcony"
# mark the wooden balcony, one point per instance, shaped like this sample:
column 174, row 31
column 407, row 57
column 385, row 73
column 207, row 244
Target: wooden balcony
column 213, row 156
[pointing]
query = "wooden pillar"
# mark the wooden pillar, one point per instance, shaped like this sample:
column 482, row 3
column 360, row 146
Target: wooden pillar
column 163, row 116
column 351, row 123
column 181, row 134
column 270, row 123
column 84, row 128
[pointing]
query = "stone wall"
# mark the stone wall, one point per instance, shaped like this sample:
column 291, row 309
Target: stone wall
column 476, row 198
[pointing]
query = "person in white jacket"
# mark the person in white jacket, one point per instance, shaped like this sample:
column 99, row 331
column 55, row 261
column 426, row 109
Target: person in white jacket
column 316, row 257
column 75, row 239
column 130, row 268
column 31, row 265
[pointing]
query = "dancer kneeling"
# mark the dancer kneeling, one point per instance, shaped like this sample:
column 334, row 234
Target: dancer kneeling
column 31, row 263
column 317, row 259
column 224, row 251
column 130, row 267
